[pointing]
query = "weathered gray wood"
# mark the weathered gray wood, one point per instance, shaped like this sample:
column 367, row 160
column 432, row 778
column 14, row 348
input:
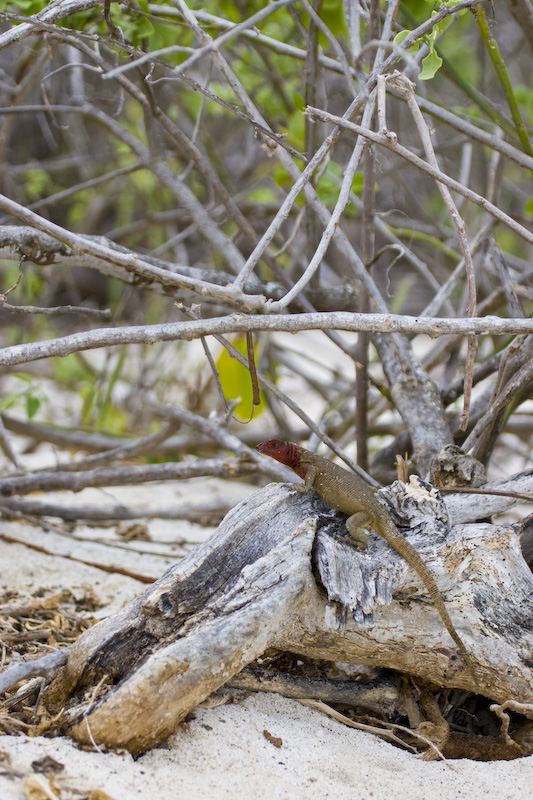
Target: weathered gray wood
column 265, row 579
column 216, row 643
column 471, row 507
column 380, row 696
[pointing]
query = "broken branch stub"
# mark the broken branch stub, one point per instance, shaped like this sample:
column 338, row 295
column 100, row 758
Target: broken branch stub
column 277, row 574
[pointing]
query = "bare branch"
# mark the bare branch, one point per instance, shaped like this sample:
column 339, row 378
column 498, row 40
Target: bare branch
column 131, row 262
column 47, row 666
column 123, row 476
column 55, row 12
column 81, row 311
column 209, row 513
column 237, row 323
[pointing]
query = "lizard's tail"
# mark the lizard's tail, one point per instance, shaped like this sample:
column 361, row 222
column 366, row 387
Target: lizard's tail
column 413, row 558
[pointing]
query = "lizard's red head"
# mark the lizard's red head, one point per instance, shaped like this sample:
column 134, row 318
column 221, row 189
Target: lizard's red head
column 284, row 452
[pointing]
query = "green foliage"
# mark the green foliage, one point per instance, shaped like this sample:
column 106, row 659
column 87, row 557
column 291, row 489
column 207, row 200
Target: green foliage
column 72, row 371
column 411, row 235
column 332, row 14
column 37, row 183
column 135, row 27
column 98, row 408
column 226, row 8
column 226, row 93
column 500, row 68
column 433, row 61
column 295, row 128
column 235, row 380
column 25, row 6
column 509, row 243
column 95, row 388
column 30, row 286
column 262, row 195
column 145, row 181
column 34, row 282
column 77, row 209
column 430, row 65
column 402, row 293
column 10, row 274
column 30, row 397
column 328, row 187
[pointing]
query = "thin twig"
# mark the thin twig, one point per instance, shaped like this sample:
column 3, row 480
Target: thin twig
column 81, row 311
column 138, row 447
column 407, row 87
column 333, row 222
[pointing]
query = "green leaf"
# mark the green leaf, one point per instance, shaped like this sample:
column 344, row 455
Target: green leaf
column 32, row 405
column 357, row 183
column 262, row 195
column 430, row 66
column 441, row 26
column 524, row 96
column 8, row 401
column 236, row 381
column 399, row 38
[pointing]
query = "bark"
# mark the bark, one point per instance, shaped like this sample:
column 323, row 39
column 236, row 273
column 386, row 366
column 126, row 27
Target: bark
column 278, row 573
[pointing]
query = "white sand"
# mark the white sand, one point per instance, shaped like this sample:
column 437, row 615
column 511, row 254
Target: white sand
column 223, row 752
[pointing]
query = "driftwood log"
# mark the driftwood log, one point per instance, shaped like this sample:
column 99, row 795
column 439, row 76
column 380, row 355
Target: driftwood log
column 279, row 573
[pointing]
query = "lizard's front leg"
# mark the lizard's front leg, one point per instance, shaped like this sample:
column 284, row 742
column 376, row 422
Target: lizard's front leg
column 356, row 528
column 309, row 480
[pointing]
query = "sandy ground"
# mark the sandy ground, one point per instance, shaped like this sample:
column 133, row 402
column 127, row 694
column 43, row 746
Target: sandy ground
column 223, row 752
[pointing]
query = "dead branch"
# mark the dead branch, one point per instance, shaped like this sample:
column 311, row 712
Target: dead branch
column 234, row 323
column 122, row 475
column 203, row 514
column 46, row 666
column 377, row 696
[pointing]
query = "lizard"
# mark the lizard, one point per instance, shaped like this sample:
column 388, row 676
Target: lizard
column 349, row 493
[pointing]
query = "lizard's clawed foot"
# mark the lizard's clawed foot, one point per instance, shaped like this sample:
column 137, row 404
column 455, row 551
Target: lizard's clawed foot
column 358, row 534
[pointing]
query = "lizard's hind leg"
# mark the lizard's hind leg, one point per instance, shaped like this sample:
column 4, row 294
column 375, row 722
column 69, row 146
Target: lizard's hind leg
column 356, row 528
